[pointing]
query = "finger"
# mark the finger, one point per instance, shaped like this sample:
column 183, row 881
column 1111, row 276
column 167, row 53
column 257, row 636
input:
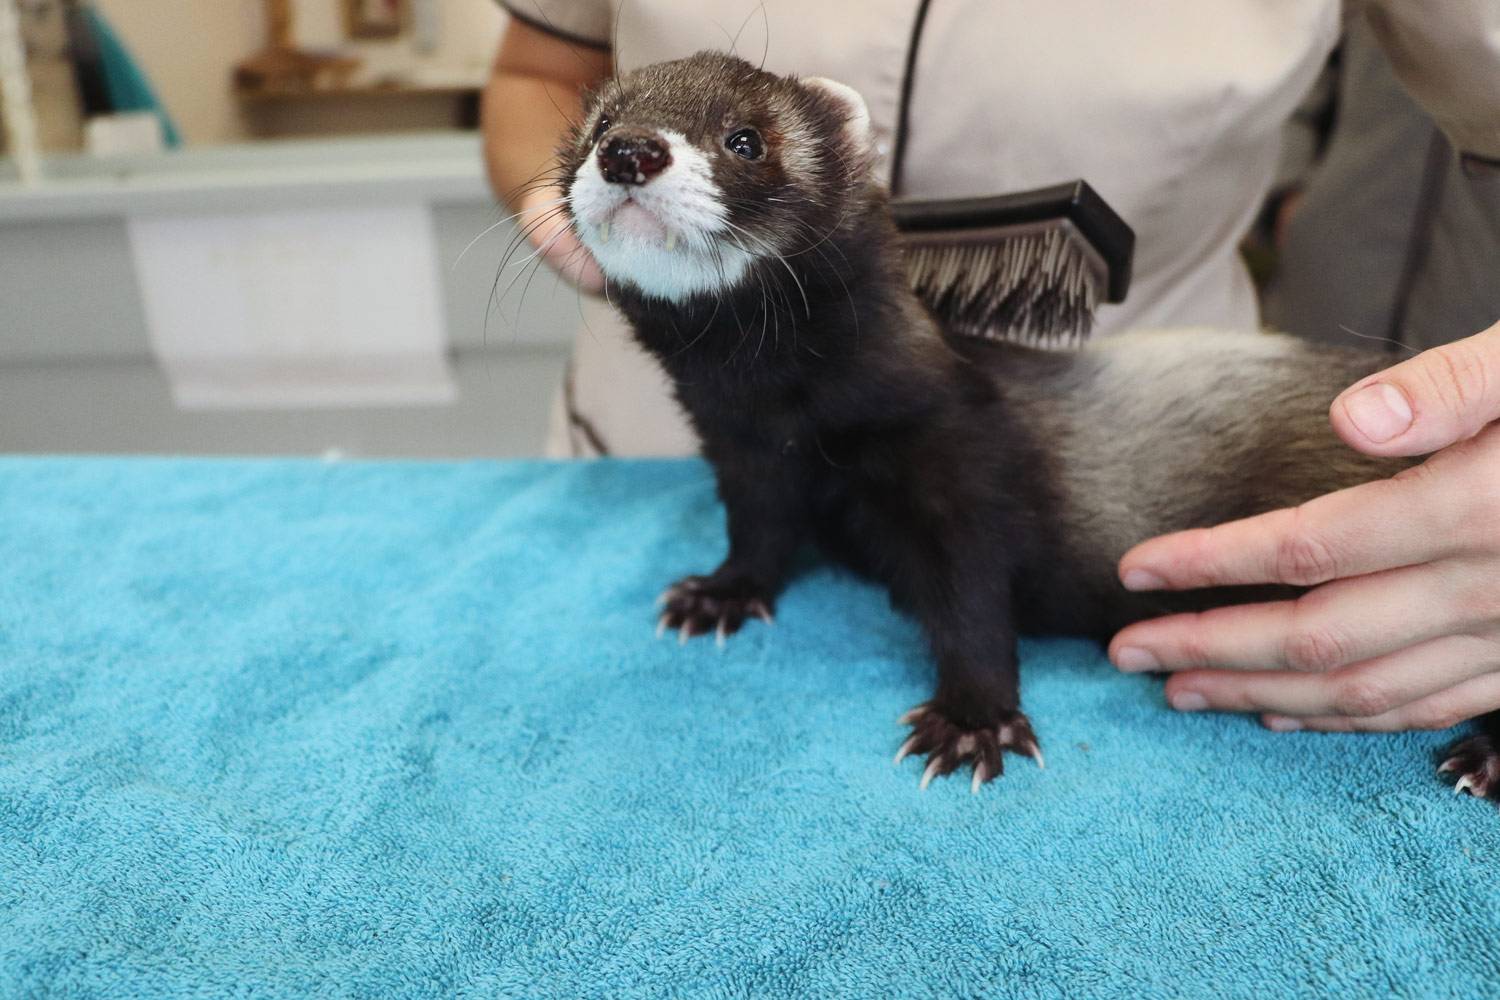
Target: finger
column 575, row 263
column 1374, row 687
column 1439, row 711
column 1337, row 624
column 1363, row 529
column 1425, row 403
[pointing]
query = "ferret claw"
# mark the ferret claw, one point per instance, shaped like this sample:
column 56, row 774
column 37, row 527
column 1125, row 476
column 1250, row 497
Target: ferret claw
column 1035, row 753
column 1476, row 760
column 906, row 748
column 698, row 605
column 950, row 744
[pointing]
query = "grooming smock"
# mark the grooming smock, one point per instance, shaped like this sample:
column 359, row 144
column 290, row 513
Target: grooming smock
column 1172, row 110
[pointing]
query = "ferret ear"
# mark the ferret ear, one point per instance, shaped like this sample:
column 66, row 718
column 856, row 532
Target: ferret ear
column 857, row 120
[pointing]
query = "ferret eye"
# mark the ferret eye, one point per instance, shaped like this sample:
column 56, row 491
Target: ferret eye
column 745, row 142
column 601, row 128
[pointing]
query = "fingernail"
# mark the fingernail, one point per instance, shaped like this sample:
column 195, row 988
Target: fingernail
column 1135, row 658
column 1281, row 724
column 1141, row 579
column 1379, row 411
column 1189, row 701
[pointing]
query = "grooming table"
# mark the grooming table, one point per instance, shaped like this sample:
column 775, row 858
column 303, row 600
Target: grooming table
column 287, row 728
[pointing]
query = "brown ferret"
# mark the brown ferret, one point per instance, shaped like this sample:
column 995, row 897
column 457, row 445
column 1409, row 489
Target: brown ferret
column 991, row 488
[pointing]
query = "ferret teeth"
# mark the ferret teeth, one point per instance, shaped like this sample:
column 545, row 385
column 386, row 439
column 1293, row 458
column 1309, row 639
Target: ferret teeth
column 604, row 231
column 1465, row 784
column 671, row 241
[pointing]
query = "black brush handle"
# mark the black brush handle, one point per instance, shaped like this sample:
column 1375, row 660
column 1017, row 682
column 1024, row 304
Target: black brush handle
column 1080, row 204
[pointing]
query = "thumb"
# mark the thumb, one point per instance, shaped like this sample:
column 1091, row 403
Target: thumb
column 1426, row 403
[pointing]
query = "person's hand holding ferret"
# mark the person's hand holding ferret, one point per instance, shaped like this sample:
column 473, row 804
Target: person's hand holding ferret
column 1401, row 629
column 542, row 217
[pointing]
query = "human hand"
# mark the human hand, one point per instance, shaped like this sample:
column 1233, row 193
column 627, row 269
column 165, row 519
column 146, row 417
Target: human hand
column 1401, row 629
column 542, row 216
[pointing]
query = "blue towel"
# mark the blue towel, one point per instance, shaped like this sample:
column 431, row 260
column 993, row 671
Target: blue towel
column 285, row 729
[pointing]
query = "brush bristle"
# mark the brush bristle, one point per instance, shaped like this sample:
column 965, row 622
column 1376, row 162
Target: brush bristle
column 1037, row 289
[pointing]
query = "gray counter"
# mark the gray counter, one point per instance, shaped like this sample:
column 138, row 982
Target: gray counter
column 77, row 371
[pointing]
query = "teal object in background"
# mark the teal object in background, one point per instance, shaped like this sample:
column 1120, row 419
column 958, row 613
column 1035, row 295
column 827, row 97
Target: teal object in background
column 288, row 729
column 129, row 88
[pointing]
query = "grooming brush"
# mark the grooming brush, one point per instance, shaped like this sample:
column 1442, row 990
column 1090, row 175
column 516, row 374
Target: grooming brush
column 1028, row 268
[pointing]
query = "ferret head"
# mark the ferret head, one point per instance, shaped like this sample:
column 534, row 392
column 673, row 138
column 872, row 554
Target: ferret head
column 683, row 177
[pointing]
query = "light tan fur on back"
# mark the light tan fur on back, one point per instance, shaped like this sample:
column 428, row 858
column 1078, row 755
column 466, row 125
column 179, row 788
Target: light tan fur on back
column 1160, row 431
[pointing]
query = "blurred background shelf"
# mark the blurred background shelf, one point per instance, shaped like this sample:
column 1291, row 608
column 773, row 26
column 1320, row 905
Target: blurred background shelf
column 322, row 199
column 77, row 367
column 360, row 109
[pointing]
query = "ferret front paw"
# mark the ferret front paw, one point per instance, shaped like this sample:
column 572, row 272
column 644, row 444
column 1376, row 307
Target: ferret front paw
column 1476, row 761
column 697, row 605
column 948, row 745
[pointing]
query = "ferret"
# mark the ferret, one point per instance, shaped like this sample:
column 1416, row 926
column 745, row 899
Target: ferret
column 991, row 488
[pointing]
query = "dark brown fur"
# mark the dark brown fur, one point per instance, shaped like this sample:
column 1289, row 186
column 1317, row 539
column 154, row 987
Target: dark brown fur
column 990, row 488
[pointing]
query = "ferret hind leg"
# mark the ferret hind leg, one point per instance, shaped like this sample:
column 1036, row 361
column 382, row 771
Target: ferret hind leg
column 1476, row 760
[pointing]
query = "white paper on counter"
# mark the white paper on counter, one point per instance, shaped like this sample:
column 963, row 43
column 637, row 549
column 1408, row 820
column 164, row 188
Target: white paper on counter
column 297, row 308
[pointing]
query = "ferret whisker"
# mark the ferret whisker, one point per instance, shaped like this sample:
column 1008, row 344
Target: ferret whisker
column 765, row 48
column 516, row 241
column 547, row 177
column 848, row 295
column 717, row 255
column 718, row 301
column 1388, row 341
column 781, row 259
column 497, row 224
column 560, row 34
column 536, row 260
column 802, row 224
column 536, row 257
column 544, row 247
column 735, row 41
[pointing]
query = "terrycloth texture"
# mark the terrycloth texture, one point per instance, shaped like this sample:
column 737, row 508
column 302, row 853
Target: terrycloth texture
column 380, row 730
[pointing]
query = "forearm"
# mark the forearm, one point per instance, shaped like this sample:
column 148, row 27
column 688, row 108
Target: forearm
column 524, row 118
column 1448, row 55
column 533, row 95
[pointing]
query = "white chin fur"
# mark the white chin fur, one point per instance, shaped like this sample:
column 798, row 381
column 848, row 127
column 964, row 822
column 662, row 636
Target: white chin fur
column 696, row 257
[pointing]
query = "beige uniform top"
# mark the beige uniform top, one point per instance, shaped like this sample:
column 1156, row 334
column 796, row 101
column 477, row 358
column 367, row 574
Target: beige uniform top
column 1171, row 109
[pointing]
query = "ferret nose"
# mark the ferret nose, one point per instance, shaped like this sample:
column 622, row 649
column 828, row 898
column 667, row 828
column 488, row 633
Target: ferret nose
column 633, row 158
